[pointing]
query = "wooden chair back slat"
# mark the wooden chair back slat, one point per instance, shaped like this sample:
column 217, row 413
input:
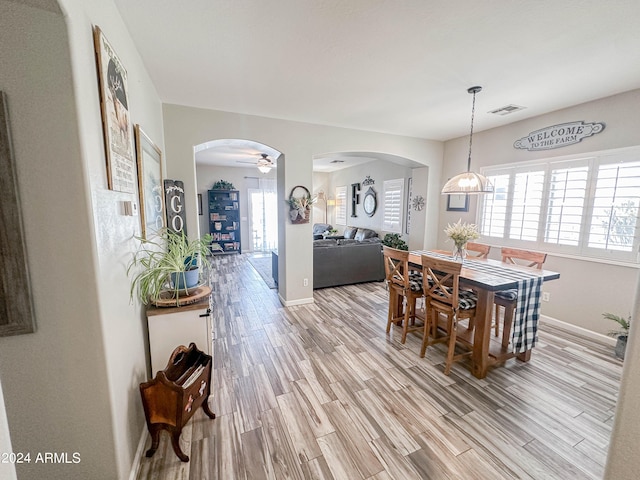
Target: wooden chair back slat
column 444, row 276
column 396, row 266
column 527, row 257
column 478, row 250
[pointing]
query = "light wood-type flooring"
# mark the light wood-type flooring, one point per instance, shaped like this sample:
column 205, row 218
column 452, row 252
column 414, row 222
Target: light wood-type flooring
column 319, row 391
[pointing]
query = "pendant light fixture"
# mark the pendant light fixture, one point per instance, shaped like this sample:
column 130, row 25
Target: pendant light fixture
column 469, row 182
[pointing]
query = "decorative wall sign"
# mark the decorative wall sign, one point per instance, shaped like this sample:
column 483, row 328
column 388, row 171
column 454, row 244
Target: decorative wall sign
column 174, row 200
column 149, row 183
column 407, row 227
column 355, row 198
column 16, row 307
column 368, row 181
column 558, row 136
column 116, row 123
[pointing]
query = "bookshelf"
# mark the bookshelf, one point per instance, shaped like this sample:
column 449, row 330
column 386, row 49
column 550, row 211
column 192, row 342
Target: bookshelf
column 224, row 219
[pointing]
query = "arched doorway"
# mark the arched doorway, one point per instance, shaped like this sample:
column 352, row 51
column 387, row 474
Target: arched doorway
column 251, row 168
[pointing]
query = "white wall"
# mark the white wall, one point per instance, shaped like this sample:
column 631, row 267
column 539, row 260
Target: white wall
column 73, row 385
column 586, row 288
column 623, row 461
column 8, row 469
column 299, row 142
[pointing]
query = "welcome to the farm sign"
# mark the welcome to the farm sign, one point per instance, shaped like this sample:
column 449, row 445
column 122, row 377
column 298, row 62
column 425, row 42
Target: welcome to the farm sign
column 558, row 136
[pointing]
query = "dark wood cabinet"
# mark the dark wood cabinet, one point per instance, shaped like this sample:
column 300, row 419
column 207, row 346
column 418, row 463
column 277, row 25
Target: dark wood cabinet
column 173, row 396
column 224, row 219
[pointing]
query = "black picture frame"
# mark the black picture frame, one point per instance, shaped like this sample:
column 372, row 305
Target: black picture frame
column 200, row 204
column 458, row 203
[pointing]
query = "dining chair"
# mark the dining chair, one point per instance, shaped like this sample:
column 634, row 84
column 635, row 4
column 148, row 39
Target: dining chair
column 478, row 250
column 443, row 296
column 405, row 287
column 508, row 299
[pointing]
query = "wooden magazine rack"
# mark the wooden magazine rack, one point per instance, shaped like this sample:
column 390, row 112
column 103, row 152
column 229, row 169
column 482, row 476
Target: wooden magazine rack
column 173, row 396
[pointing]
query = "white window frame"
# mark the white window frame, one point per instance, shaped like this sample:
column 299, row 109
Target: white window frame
column 593, row 161
column 341, row 205
column 393, row 205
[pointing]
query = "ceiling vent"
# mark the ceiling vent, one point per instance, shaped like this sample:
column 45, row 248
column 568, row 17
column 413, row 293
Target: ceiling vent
column 506, row 110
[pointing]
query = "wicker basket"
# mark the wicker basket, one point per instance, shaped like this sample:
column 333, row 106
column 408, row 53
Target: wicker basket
column 301, row 214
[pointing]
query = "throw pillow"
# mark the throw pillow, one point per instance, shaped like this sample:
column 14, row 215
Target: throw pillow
column 350, row 232
column 364, row 233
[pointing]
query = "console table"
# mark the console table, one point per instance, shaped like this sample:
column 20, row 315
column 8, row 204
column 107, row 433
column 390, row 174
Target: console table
column 170, row 327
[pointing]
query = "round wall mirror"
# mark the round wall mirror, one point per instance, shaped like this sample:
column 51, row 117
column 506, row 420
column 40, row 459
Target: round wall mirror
column 370, row 202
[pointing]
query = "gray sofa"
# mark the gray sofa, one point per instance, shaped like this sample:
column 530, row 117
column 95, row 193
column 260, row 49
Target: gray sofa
column 347, row 261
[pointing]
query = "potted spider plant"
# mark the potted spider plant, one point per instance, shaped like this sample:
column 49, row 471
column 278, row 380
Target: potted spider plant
column 168, row 261
column 621, row 334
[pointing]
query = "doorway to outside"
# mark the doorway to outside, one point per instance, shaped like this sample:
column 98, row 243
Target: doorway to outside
column 263, row 216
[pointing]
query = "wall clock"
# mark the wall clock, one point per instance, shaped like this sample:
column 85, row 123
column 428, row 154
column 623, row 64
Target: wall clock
column 370, row 202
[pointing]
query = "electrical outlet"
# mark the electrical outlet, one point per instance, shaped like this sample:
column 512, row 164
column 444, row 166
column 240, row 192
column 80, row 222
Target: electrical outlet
column 305, row 282
column 546, row 296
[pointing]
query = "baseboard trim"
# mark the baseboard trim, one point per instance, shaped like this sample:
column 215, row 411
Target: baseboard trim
column 135, row 467
column 293, row 303
column 583, row 332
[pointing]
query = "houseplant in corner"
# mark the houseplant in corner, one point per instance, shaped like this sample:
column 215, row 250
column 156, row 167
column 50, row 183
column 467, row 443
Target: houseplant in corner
column 620, row 334
column 168, row 261
column 393, row 240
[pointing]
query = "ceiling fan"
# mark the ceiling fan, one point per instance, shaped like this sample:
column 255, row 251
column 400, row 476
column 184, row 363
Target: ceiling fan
column 264, row 164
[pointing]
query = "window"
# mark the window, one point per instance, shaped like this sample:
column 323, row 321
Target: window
column 586, row 206
column 341, row 205
column 392, row 195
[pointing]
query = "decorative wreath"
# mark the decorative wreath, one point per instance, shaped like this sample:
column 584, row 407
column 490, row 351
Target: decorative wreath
column 300, row 206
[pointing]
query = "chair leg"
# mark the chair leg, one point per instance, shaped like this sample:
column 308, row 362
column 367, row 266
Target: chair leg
column 506, row 328
column 425, row 335
column 452, row 343
column 393, row 300
column 409, row 313
column 497, row 320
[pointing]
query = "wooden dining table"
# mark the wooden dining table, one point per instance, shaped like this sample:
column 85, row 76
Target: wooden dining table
column 487, row 276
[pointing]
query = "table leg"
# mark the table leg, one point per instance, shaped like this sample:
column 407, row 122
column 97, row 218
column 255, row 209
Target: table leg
column 481, row 336
column 525, row 356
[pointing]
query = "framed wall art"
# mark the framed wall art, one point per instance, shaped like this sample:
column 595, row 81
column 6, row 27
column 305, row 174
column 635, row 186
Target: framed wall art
column 407, row 226
column 150, row 186
column 16, row 307
column 458, row 203
column 116, row 118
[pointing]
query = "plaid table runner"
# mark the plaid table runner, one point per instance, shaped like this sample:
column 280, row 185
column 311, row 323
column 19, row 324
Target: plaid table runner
column 524, row 334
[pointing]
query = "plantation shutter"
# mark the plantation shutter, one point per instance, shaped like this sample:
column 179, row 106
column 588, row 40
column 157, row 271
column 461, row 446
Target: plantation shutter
column 341, row 205
column 392, row 196
column 615, row 207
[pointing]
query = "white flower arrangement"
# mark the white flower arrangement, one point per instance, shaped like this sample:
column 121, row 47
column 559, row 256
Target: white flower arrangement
column 460, row 233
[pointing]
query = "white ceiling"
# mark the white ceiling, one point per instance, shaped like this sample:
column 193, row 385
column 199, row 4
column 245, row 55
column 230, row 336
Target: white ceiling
column 392, row 66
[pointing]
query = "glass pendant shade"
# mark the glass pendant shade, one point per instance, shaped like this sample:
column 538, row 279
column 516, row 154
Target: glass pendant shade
column 468, row 182
column 264, row 168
